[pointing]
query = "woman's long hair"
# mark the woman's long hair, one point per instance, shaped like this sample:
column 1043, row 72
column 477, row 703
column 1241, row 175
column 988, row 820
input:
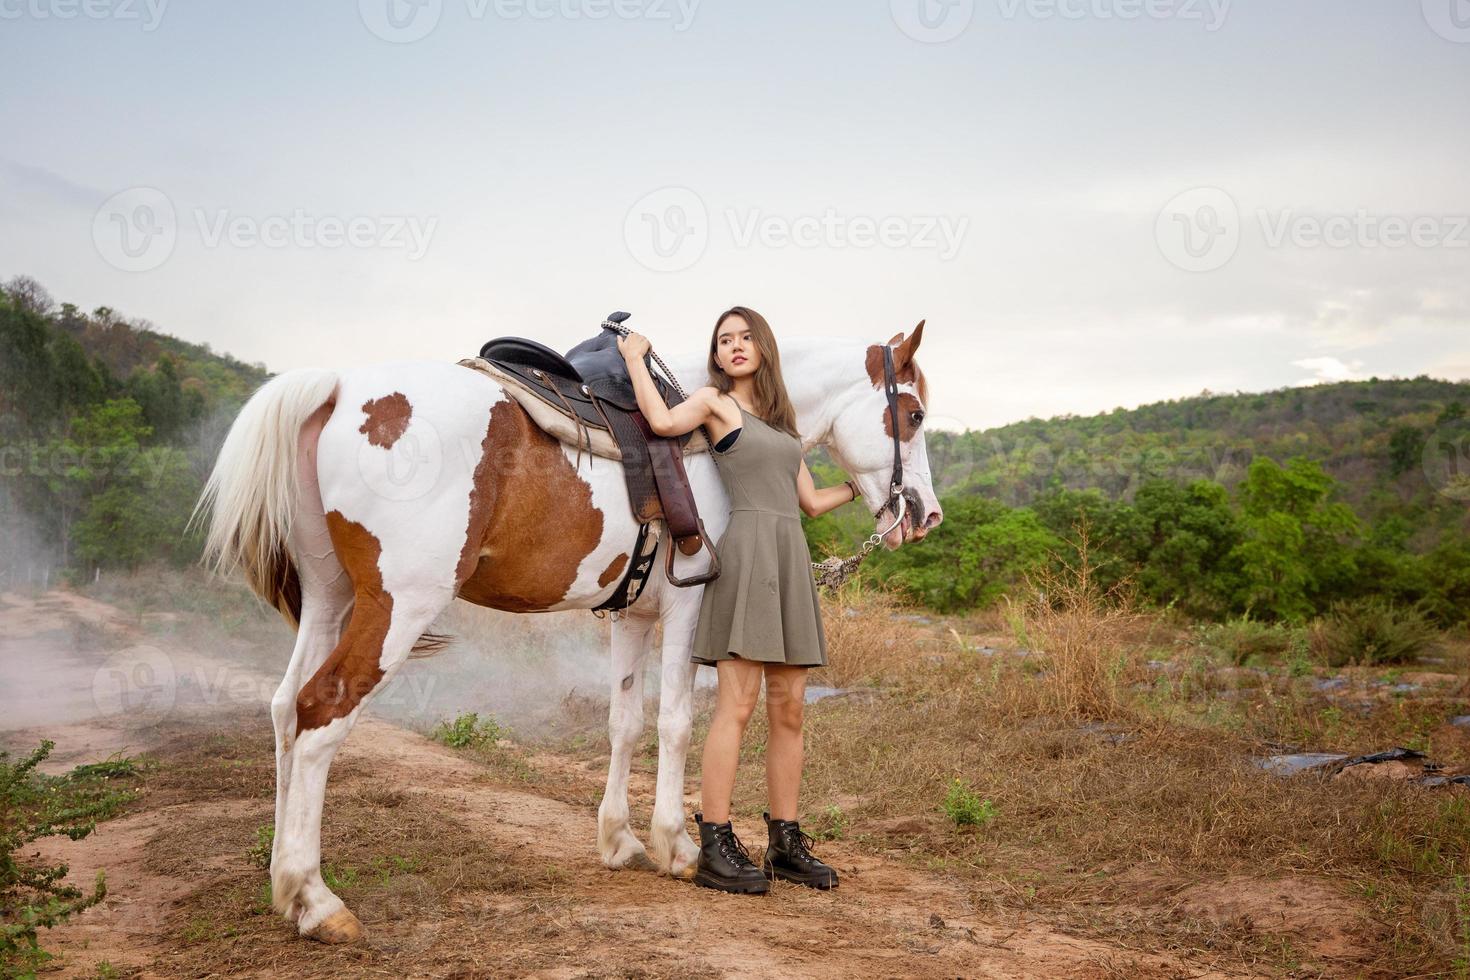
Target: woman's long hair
column 772, row 404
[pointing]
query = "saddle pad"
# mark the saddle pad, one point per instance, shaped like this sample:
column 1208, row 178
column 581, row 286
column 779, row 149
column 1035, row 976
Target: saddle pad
column 554, row 421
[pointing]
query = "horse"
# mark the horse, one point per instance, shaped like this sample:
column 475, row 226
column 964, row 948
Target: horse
column 360, row 503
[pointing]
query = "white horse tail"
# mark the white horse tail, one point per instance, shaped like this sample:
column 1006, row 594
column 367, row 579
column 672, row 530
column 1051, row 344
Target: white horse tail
column 251, row 495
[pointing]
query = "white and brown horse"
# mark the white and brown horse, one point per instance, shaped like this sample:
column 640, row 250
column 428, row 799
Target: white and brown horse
column 361, row 503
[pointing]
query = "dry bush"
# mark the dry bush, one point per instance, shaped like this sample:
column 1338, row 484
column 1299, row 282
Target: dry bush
column 868, row 641
column 1086, row 634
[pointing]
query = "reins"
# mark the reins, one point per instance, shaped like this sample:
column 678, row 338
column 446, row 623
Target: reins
column 833, row 571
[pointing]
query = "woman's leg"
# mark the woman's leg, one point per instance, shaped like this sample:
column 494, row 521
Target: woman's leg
column 785, row 699
column 739, row 688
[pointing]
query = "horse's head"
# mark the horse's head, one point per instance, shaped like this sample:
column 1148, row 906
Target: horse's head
column 863, row 440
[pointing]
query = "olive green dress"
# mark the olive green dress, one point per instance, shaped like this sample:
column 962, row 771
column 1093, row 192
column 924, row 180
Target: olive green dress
column 764, row 604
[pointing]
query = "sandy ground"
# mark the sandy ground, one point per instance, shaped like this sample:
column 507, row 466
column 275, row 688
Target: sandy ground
column 502, row 873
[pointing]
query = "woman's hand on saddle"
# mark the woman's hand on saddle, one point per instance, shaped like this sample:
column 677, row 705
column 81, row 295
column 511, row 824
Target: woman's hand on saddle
column 633, row 346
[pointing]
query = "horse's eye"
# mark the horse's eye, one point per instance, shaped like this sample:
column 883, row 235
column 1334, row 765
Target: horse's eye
column 918, row 418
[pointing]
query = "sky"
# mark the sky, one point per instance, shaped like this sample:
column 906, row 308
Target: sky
column 1092, row 203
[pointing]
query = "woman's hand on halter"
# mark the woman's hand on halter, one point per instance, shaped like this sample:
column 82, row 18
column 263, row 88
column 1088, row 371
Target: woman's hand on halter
column 634, row 346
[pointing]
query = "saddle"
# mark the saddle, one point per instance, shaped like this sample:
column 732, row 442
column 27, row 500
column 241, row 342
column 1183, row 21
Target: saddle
column 585, row 398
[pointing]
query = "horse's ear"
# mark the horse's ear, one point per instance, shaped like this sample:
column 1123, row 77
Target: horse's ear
column 905, row 350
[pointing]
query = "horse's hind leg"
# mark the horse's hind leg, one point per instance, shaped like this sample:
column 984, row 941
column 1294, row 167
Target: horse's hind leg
column 632, row 635
column 326, row 597
column 380, row 634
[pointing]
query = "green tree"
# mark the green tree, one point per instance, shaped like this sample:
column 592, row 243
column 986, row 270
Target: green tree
column 1404, row 448
column 978, row 553
column 1296, row 552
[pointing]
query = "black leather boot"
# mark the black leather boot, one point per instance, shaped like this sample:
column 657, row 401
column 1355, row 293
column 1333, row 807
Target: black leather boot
column 788, row 857
column 724, row 863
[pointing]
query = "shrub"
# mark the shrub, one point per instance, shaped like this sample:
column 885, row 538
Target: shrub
column 965, row 807
column 1372, row 631
column 1243, row 639
column 265, row 840
column 469, row 730
column 34, row 805
column 1083, row 633
column 831, row 823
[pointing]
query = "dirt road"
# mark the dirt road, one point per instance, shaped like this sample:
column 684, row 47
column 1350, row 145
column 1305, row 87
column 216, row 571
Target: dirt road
column 463, row 864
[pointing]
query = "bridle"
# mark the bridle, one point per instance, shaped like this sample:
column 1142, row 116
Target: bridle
column 895, row 482
column 833, row 571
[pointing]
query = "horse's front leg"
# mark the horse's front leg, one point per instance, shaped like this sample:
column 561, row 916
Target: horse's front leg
column 673, row 850
column 632, row 634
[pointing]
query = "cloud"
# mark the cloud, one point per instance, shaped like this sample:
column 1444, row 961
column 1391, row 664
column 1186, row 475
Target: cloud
column 1327, row 370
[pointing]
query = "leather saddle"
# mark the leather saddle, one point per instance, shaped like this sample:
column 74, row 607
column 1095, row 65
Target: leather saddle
column 589, row 386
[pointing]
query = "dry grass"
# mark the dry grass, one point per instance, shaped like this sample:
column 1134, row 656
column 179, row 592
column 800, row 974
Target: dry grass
column 1116, row 786
column 1119, row 788
column 1087, row 636
column 877, row 645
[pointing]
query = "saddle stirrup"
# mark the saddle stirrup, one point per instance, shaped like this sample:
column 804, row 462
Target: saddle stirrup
column 708, row 575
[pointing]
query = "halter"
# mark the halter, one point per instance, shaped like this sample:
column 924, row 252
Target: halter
column 895, row 483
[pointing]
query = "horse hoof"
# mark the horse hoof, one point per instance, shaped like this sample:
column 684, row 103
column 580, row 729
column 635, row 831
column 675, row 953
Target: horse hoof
column 639, row 861
column 685, row 873
column 339, row 928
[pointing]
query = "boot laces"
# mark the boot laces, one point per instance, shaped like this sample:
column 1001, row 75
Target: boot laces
column 799, row 842
column 733, row 849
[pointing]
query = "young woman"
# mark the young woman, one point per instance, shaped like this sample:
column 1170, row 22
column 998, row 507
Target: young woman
column 760, row 618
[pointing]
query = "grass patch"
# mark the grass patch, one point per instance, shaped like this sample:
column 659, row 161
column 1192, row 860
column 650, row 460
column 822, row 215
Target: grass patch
column 468, row 731
column 33, row 806
column 964, row 807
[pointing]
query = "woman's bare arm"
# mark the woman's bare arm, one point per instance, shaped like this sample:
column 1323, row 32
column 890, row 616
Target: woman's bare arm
column 686, row 416
column 816, row 502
